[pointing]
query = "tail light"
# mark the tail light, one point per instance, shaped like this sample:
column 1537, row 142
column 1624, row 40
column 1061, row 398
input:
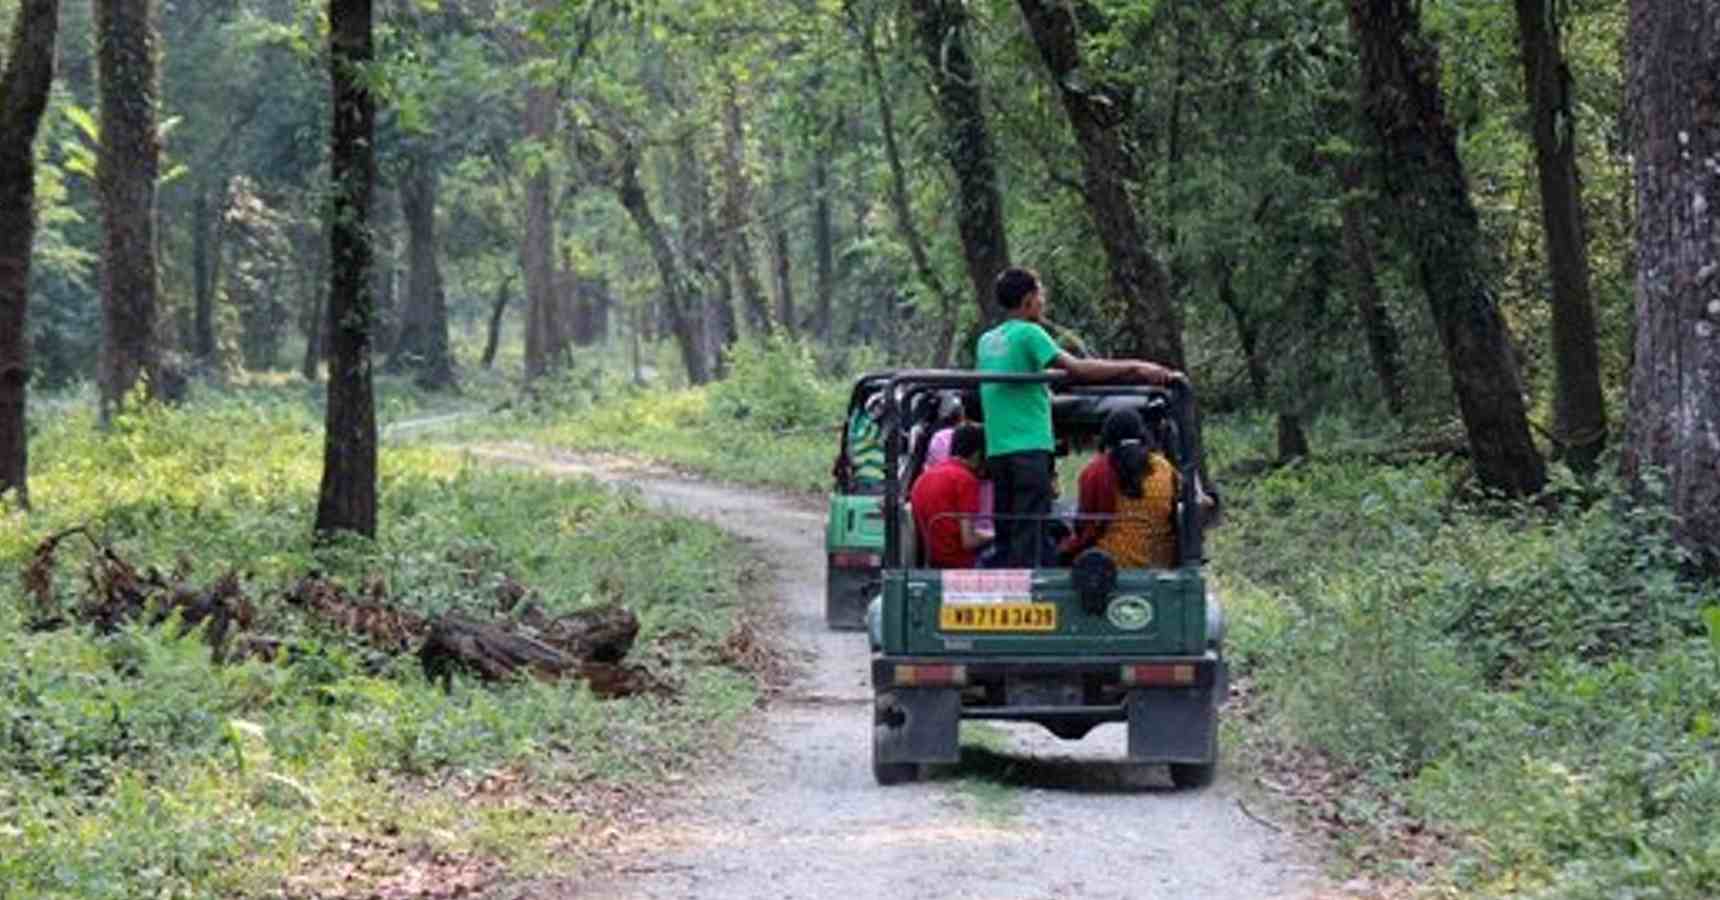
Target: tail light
column 855, row 560
column 931, row 676
column 1159, row 675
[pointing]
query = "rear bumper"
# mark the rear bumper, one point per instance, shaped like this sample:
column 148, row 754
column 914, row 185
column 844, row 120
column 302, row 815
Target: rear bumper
column 1208, row 668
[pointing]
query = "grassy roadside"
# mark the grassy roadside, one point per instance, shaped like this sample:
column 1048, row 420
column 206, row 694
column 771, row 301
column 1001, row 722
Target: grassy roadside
column 130, row 765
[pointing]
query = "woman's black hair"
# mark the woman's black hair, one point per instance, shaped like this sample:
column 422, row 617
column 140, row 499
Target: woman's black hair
column 1128, row 446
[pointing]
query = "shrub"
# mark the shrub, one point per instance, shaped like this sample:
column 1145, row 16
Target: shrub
column 773, row 384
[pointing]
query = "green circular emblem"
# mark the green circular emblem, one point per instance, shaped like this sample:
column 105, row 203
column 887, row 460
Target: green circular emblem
column 1130, row 613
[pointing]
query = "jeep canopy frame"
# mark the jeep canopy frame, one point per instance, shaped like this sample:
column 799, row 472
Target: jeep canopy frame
column 1081, row 407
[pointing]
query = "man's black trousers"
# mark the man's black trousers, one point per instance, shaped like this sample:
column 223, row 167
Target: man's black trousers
column 1022, row 490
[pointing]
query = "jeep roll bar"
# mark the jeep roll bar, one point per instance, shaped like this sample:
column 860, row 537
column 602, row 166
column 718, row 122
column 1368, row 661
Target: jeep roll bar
column 902, row 384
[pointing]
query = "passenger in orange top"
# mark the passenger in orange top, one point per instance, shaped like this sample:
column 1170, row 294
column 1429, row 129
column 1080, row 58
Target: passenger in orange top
column 946, row 502
column 1133, row 481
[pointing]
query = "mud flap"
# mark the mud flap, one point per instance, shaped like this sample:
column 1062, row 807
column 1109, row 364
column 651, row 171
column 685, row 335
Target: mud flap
column 845, row 594
column 918, row 725
column 1173, row 726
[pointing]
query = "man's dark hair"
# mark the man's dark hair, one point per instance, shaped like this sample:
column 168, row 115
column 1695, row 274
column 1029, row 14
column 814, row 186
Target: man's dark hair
column 1013, row 285
column 968, row 440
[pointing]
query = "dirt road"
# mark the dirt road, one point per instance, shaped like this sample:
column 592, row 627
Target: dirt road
column 1024, row 816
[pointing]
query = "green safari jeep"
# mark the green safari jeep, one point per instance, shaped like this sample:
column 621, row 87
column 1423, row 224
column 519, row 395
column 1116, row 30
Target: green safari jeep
column 854, row 523
column 1068, row 648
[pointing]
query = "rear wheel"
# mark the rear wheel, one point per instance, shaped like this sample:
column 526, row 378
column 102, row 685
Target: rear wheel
column 1193, row 775
column 885, row 718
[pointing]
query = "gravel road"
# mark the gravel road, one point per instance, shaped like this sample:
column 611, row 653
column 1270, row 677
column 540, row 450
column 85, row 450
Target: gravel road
column 1025, row 815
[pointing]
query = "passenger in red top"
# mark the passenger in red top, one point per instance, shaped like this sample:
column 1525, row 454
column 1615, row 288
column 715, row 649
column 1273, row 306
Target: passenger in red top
column 946, row 501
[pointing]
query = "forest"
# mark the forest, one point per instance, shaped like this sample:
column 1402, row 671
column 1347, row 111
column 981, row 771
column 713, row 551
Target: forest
column 1443, row 273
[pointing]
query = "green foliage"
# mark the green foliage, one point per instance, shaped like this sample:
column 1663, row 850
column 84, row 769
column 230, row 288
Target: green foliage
column 773, row 383
column 1538, row 680
column 131, row 766
column 774, row 421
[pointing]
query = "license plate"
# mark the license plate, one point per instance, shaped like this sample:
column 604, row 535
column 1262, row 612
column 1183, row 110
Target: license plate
column 998, row 617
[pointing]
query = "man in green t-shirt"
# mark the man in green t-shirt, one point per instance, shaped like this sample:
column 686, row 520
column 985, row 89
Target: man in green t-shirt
column 1018, row 437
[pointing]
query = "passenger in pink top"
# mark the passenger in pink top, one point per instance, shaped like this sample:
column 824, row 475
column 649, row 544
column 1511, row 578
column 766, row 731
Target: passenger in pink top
column 953, row 413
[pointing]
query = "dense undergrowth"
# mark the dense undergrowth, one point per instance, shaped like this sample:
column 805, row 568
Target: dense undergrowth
column 1533, row 684
column 130, row 765
column 1535, row 681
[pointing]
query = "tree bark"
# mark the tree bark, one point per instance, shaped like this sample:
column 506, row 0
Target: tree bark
column 347, row 498
column 1402, row 99
column 1151, row 326
column 422, row 344
column 24, row 84
column 903, row 210
column 781, row 264
column 316, row 316
column 1579, row 409
column 676, row 292
column 737, row 200
column 1384, row 347
column 824, row 251
column 537, row 252
column 127, row 163
column 942, row 29
column 493, row 336
column 203, row 226
column 1674, row 420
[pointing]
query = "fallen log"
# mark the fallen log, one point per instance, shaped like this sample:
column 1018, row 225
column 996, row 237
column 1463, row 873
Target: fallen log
column 493, row 653
column 598, row 633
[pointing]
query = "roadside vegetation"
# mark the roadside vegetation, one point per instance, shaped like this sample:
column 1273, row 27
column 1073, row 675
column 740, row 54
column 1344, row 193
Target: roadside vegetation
column 1481, row 697
column 132, row 765
column 773, row 421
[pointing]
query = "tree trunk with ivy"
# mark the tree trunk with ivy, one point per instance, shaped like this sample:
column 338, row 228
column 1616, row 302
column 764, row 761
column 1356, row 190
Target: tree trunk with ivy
column 127, row 164
column 1402, row 99
column 347, row 498
column 1674, row 423
column 24, row 83
column 942, row 29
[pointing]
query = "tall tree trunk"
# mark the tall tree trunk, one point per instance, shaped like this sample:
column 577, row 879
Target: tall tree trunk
column 1384, row 348
column 1579, row 409
column 493, row 336
column 347, row 498
column 1247, row 332
column 824, row 250
column 676, row 292
column 203, row 226
column 316, row 316
column 906, row 230
column 737, row 200
column 537, row 253
column 1402, row 99
column 1674, row 421
column 1173, row 168
column 422, row 344
column 24, row 83
column 384, row 267
column 1140, row 286
column 126, row 170
column 776, row 221
column 942, row 29
column 710, row 256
